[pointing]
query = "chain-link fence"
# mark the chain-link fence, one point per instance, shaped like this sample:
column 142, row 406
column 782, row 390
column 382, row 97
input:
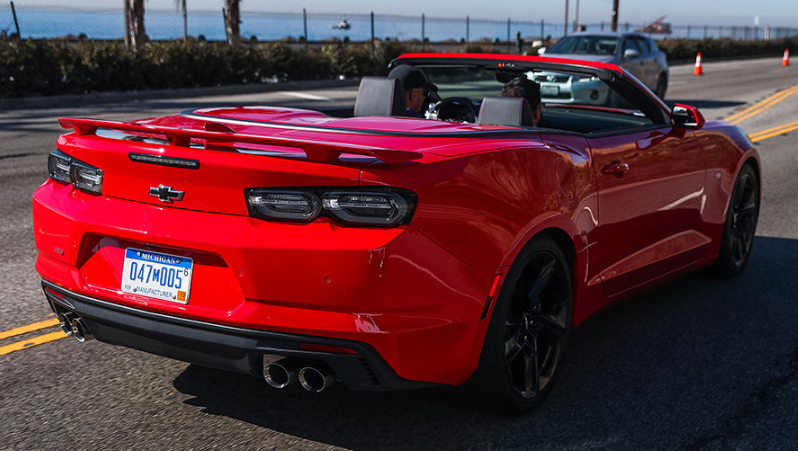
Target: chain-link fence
column 39, row 22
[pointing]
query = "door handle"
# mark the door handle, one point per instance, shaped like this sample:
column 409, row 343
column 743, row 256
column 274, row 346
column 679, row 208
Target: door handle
column 615, row 168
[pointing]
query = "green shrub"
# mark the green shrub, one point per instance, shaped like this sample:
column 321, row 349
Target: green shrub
column 56, row 66
column 46, row 67
column 686, row 49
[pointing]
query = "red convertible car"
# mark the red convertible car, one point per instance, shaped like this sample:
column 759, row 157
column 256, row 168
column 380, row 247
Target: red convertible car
column 390, row 252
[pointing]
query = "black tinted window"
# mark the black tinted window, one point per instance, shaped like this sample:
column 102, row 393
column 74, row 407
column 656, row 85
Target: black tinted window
column 643, row 45
column 629, row 43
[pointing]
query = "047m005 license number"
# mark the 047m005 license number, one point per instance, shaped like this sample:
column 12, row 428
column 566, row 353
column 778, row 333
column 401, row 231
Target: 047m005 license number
column 157, row 275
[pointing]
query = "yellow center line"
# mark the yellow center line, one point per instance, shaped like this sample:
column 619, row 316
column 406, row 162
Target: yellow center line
column 775, row 131
column 25, row 344
column 761, row 106
column 757, row 105
column 29, row 328
column 771, row 130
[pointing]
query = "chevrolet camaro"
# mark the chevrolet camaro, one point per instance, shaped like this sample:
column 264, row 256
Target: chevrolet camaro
column 388, row 252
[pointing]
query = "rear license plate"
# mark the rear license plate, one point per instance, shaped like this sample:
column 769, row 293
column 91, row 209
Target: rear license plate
column 549, row 90
column 160, row 276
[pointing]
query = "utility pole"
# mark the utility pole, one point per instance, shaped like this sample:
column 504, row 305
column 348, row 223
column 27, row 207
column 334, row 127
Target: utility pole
column 423, row 31
column 614, row 15
column 305, row 26
column 16, row 22
column 576, row 19
column 565, row 28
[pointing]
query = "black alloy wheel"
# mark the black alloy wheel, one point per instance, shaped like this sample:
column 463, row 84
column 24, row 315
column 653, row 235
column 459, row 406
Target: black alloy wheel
column 536, row 325
column 528, row 332
column 740, row 227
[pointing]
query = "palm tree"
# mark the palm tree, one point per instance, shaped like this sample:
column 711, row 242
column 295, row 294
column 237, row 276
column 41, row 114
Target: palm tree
column 232, row 20
column 134, row 23
column 181, row 6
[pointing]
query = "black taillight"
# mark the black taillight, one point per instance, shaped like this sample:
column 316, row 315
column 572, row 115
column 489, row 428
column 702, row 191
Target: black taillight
column 366, row 206
column 284, row 205
column 83, row 176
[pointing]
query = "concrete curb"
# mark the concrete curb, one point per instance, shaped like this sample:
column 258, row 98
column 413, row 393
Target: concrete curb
column 57, row 101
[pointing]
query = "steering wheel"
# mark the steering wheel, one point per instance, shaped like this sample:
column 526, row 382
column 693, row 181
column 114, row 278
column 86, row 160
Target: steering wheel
column 455, row 109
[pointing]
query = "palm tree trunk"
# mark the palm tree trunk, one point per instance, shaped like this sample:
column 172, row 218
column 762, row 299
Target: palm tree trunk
column 183, row 8
column 135, row 34
column 233, row 20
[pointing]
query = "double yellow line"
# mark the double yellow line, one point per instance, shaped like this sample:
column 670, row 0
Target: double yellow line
column 35, row 341
column 761, row 106
column 771, row 132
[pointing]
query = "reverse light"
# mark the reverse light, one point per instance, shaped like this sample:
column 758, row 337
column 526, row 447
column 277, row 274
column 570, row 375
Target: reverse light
column 82, row 176
column 286, row 205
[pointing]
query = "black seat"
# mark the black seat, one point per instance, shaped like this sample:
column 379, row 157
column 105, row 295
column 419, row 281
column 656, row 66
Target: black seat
column 512, row 111
column 379, row 96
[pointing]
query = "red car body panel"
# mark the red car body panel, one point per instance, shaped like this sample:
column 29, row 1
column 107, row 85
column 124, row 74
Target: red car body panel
column 419, row 294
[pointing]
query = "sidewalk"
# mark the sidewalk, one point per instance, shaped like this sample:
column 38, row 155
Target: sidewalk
column 36, row 102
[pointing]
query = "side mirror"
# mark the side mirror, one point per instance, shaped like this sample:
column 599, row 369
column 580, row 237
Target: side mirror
column 541, row 51
column 630, row 54
column 686, row 116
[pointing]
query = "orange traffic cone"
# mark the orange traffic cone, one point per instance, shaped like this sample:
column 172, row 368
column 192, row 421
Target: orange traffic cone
column 786, row 60
column 698, row 69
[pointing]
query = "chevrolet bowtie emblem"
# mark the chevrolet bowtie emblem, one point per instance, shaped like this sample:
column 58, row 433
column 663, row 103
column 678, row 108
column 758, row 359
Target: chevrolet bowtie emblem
column 166, row 193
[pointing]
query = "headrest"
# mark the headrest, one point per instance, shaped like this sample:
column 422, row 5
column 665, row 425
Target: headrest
column 379, row 96
column 512, row 111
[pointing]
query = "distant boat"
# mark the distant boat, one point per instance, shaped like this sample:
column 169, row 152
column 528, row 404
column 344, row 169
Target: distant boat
column 343, row 24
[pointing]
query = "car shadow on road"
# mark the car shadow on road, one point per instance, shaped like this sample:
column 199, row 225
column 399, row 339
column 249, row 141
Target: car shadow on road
column 658, row 372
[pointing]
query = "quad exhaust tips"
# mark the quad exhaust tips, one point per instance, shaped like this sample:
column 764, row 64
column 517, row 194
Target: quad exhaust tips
column 74, row 326
column 281, row 374
column 66, row 323
column 284, row 372
column 80, row 330
column 316, row 379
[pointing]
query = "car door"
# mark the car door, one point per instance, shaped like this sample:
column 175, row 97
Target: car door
column 651, row 193
column 635, row 66
column 651, row 68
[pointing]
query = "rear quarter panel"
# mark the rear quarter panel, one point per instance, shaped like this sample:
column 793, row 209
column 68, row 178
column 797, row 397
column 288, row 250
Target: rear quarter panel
column 483, row 208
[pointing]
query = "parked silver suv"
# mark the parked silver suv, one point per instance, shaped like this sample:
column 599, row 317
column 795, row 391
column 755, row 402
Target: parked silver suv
column 636, row 53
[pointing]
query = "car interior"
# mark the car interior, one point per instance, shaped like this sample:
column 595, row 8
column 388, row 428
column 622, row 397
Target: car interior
column 581, row 104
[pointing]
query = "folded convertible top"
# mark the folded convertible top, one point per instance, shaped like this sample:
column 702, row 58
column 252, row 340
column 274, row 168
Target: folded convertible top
column 315, row 150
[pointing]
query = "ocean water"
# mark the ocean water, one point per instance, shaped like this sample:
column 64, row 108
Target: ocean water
column 42, row 22
column 160, row 25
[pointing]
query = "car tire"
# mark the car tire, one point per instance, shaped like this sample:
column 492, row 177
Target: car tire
column 528, row 332
column 662, row 85
column 740, row 226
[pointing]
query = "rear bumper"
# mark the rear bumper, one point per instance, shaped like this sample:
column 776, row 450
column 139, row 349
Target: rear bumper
column 229, row 348
column 393, row 291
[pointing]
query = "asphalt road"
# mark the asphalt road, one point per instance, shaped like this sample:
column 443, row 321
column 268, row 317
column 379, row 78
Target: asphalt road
column 697, row 364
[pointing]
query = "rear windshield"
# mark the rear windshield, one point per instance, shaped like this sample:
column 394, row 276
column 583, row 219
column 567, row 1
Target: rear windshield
column 586, row 45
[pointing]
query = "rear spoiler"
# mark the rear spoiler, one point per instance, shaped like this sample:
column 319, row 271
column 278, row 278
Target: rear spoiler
column 315, row 150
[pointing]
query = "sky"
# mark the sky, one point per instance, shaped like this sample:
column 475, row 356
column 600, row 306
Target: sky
column 679, row 12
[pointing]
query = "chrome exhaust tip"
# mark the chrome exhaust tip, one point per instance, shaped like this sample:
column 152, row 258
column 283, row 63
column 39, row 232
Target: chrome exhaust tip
column 316, row 379
column 65, row 322
column 80, row 330
column 280, row 374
